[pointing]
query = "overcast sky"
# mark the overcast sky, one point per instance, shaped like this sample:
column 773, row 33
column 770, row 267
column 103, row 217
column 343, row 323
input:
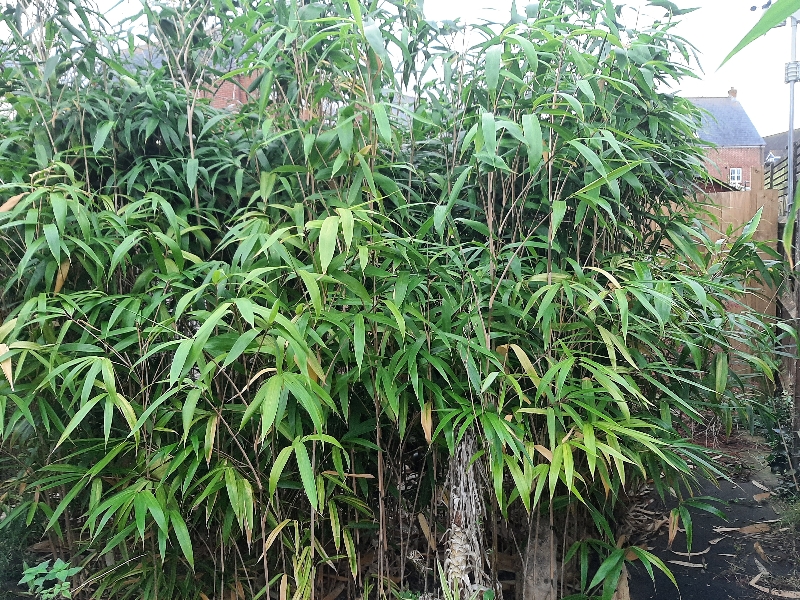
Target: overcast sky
column 757, row 72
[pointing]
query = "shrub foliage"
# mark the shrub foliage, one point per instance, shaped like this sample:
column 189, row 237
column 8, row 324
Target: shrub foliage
column 241, row 346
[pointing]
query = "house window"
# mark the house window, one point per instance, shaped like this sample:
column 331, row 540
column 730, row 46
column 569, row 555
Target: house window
column 736, row 176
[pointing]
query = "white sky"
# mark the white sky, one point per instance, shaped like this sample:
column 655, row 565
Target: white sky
column 757, row 72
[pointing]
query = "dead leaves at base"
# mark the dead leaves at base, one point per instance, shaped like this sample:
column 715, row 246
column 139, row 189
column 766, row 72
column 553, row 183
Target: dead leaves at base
column 763, row 527
column 760, row 551
column 772, row 591
column 683, row 563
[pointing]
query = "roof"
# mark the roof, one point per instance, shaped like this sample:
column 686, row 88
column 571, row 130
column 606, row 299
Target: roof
column 777, row 143
column 727, row 123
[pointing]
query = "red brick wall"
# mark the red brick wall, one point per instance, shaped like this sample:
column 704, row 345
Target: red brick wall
column 229, row 94
column 720, row 160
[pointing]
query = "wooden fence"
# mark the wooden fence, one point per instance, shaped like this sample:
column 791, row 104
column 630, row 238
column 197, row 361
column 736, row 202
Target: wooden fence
column 736, row 209
column 776, row 177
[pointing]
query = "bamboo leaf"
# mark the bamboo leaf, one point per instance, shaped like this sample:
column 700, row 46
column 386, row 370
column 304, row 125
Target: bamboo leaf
column 192, row 169
column 327, row 241
column 775, row 15
column 493, row 59
column 312, row 287
column 277, row 468
column 557, row 215
column 359, row 334
column 381, row 118
column 182, row 535
column 101, row 135
column 306, row 472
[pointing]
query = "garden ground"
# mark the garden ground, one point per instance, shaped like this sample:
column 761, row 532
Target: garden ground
column 753, row 550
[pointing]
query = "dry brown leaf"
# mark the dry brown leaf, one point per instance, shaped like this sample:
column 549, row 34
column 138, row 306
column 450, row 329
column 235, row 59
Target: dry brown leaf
column 772, row 591
column 353, row 475
column 761, row 497
column 11, row 203
column 545, row 452
column 5, row 365
column 284, row 591
column 426, row 420
column 656, row 525
column 204, row 597
column 691, row 554
column 755, row 528
column 61, row 276
column 760, row 551
column 724, row 529
column 673, row 528
column 622, row 592
column 687, row 564
column 426, row 531
column 760, row 486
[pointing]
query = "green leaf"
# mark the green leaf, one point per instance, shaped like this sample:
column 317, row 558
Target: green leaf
column 721, row 374
column 241, row 344
column 557, row 215
column 269, row 405
column 192, row 168
column 375, row 39
column 101, row 135
column 532, row 131
column 355, row 8
column 775, row 15
column 75, row 421
column 384, row 129
column 53, row 240
column 346, row 219
column 188, row 410
column 398, row 317
column 176, row 369
column 493, row 60
column 277, row 468
column 182, row 534
column 310, row 281
column 489, row 130
column 327, row 241
column 306, row 472
column 359, row 334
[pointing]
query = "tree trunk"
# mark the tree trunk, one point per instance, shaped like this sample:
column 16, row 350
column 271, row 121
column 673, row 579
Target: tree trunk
column 465, row 562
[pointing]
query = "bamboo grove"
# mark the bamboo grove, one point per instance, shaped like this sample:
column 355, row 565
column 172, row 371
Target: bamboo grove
column 428, row 294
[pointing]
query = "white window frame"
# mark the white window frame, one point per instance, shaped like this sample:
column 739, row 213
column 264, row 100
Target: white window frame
column 736, row 176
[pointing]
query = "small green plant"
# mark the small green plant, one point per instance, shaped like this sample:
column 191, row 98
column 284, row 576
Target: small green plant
column 46, row 582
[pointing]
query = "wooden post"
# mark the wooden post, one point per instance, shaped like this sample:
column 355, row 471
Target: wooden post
column 757, row 179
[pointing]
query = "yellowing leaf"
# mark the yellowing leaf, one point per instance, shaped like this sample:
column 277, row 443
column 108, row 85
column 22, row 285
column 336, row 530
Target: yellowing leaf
column 6, row 366
column 426, row 420
column 426, row 531
column 527, row 365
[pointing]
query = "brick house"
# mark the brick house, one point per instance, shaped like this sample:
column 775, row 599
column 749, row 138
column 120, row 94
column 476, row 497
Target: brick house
column 739, row 151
